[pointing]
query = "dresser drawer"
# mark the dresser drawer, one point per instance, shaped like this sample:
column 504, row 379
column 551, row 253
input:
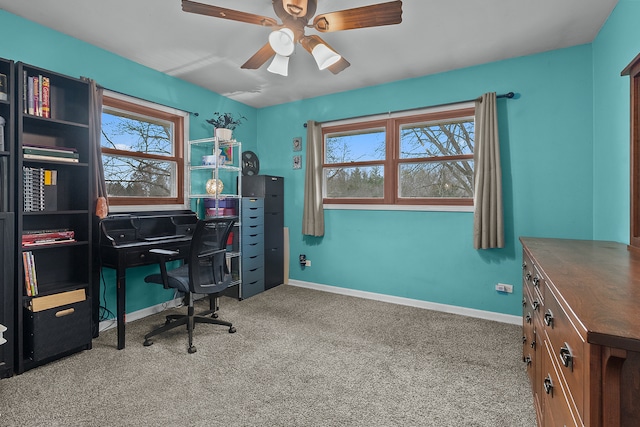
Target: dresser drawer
column 567, row 348
column 557, row 411
column 250, row 239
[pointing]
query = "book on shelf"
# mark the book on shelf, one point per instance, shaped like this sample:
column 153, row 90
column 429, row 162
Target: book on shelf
column 39, row 189
column 58, row 154
column 30, row 279
column 3, row 87
column 47, row 237
column 36, row 95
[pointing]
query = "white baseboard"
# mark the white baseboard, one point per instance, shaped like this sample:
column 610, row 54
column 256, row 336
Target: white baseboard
column 136, row 315
column 470, row 312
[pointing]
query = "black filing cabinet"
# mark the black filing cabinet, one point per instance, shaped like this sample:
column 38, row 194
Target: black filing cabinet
column 271, row 189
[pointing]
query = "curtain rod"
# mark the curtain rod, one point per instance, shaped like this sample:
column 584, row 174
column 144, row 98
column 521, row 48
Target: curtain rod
column 146, row 100
column 508, row 95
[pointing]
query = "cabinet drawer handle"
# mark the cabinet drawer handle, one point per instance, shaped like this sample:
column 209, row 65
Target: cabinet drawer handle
column 548, row 385
column 524, row 339
column 536, row 305
column 566, row 356
column 66, row 312
column 524, row 302
column 533, row 344
column 528, row 276
column 527, row 360
column 528, row 317
column 536, row 281
column 548, row 318
column 524, row 265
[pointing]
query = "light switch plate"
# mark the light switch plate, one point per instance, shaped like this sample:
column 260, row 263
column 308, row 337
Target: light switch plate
column 297, row 143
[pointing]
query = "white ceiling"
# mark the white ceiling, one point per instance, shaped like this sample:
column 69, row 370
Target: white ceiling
column 435, row 36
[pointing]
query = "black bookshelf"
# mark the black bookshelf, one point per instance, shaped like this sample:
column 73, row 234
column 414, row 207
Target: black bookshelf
column 7, row 250
column 63, row 269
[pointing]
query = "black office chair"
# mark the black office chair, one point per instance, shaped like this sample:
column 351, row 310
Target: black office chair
column 205, row 272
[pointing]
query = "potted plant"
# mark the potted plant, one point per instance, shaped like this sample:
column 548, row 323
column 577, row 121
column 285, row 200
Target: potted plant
column 224, row 124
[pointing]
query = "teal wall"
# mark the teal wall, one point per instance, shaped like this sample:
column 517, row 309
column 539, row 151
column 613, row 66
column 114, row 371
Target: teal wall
column 564, row 147
column 546, row 146
column 615, row 47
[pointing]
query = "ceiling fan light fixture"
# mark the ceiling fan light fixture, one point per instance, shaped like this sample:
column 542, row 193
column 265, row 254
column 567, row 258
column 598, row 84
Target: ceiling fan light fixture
column 279, row 65
column 281, row 41
column 324, row 56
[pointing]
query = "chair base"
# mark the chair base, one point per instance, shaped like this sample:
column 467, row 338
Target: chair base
column 176, row 320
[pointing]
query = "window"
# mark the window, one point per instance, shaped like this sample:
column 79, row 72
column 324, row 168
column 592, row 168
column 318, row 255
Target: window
column 142, row 152
column 423, row 159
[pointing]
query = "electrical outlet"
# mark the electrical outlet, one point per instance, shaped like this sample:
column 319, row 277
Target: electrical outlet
column 502, row 287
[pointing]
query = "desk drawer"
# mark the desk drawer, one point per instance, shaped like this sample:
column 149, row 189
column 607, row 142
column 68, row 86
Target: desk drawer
column 140, row 256
column 252, row 274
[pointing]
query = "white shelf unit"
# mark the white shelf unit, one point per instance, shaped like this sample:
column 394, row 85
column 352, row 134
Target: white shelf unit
column 230, row 173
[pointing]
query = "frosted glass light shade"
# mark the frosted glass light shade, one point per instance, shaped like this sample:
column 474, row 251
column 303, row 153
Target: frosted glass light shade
column 324, row 56
column 281, row 41
column 279, row 65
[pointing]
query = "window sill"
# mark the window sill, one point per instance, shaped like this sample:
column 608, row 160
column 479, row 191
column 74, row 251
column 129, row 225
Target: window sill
column 424, row 208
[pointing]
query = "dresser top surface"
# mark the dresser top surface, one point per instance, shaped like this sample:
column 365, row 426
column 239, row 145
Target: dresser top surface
column 599, row 281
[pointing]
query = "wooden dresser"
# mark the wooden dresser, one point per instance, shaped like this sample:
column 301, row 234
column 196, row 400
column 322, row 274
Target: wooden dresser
column 581, row 331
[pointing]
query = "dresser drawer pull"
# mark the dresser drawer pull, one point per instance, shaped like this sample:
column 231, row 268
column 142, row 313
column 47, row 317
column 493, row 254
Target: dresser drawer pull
column 536, row 281
column 527, row 360
column 524, row 339
column 548, row 385
column 533, row 344
column 524, row 265
column 536, row 305
column 566, row 356
column 528, row 276
column 528, row 317
column 548, row 318
column 524, row 302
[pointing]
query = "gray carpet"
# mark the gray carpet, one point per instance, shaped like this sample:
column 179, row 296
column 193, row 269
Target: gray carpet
column 300, row 358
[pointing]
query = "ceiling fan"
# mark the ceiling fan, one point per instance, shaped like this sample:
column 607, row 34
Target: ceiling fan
column 296, row 15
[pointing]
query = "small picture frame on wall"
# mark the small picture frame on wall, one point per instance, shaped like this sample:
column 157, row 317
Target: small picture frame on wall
column 297, row 143
column 297, row 162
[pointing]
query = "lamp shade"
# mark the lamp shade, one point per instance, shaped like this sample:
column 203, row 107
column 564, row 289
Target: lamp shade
column 279, row 65
column 281, row 41
column 324, row 56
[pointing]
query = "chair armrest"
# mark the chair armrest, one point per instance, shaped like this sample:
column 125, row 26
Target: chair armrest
column 165, row 252
column 164, row 255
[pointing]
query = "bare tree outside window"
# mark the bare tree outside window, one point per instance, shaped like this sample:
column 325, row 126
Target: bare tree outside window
column 141, row 154
column 421, row 159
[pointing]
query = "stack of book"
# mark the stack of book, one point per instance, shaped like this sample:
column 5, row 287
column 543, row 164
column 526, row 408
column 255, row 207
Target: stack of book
column 39, row 189
column 47, row 237
column 36, row 95
column 30, row 280
column 58, row 154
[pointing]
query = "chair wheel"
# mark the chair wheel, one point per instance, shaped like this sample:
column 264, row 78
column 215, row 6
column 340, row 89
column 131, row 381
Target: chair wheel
column 192, row 349
column 232, row 330
column 214, row 315
column 147, row 343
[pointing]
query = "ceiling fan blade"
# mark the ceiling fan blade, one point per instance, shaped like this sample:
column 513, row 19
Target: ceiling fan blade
column 221, row 12
column 376, row 15
column 339, row 66
column 259, row 58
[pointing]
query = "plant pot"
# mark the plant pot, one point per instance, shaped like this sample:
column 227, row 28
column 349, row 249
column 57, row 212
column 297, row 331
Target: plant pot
column 224, row 134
